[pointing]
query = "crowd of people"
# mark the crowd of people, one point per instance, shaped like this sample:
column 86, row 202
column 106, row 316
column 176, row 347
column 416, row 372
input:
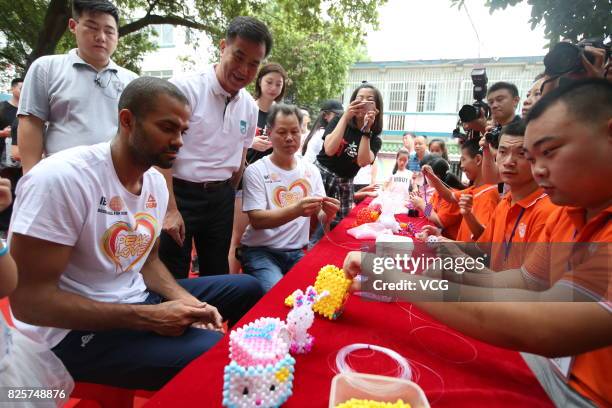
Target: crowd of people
column 123, row 178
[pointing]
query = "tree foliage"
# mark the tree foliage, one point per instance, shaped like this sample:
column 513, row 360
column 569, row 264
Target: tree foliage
column 317, row 52
column 315, row 40
column 568, row 19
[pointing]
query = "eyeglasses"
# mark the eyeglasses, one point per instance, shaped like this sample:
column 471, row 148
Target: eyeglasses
column 101, row 81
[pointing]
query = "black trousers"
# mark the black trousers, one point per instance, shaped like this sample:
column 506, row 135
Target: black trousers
column 209, row 217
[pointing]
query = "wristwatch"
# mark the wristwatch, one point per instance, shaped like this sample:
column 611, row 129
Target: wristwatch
column 367, row 134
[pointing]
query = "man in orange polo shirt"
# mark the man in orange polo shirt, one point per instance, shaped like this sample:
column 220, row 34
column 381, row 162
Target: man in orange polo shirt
column 520, row 216
column 476, row 202
column 557, row 307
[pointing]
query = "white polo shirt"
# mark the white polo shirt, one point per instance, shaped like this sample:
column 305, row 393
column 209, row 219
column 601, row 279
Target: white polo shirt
column 78, row 102
column 219, row 129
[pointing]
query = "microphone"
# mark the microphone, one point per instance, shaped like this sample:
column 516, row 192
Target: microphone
column 97, row 82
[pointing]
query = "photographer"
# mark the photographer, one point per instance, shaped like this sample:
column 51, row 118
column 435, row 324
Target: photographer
column 503, row 98
column 566, row 62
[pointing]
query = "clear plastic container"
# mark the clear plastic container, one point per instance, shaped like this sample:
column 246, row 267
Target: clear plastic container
column 377, row 388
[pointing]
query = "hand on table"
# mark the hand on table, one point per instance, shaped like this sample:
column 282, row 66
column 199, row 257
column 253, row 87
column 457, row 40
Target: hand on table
column 352, row 269
column 173, row 317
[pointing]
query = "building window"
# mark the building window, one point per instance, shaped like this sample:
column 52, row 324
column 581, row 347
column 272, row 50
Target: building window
column 165, row 35
column 426, row 97
column 398, row 102
column 466, row 92
column 165, row 74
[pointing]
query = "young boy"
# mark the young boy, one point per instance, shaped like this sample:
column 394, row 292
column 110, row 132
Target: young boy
column 476, row 202
column 281, row 193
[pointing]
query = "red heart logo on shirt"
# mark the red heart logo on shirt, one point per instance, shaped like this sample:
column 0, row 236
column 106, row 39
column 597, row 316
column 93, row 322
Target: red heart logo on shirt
column 126, row 245
column 297, row 190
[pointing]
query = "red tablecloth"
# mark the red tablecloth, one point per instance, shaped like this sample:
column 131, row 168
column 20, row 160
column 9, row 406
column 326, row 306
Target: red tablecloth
column 453, row 370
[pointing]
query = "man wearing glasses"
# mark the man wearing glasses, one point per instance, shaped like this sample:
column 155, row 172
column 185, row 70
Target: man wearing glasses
column 71, row 99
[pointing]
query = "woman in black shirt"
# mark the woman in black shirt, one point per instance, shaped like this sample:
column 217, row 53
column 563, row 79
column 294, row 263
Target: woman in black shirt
column 351, row 142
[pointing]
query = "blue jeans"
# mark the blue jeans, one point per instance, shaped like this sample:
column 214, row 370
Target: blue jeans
column 146, row 360
column 269, row 265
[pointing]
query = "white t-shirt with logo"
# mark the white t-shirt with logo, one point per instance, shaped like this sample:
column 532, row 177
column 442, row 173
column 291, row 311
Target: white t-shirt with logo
column 268, row 187
column 399, row 183
column 75, row 198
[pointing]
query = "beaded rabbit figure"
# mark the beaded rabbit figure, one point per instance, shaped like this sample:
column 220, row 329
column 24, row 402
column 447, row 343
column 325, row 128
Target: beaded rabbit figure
column 301, row 318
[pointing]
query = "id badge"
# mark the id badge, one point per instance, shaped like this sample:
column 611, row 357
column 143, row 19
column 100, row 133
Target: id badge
column 563, row 366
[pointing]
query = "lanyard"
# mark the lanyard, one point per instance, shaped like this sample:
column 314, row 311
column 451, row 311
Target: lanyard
column 508, row 244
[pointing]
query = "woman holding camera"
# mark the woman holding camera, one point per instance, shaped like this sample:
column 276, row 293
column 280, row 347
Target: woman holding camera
column 351, row 142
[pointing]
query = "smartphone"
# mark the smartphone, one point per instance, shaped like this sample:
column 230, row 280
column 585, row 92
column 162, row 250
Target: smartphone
column 369, row 106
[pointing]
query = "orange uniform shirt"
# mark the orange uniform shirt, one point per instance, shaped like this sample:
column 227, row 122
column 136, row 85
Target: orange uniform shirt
column 449, row 215
column 486, row 198
column 512, row 226
column 587, row 269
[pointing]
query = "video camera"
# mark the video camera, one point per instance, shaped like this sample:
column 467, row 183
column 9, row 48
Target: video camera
column 477, row 109
column 565, row 57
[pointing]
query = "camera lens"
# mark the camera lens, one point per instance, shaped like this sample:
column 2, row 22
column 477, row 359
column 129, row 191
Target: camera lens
column 564, row 57
column 468, row 113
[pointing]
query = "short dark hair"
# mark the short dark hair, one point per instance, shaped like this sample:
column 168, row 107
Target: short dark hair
column 286, row 110
column 94, row 6
column 587, row 100
column 15, row 81
column 251, row 29
column 472, row 146
column 514, row 128
column 441, row 169
column 140, row 96
column 265, row 70
column 504, row 85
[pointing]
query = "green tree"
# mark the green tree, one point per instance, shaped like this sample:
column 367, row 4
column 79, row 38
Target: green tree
column 316, row 40
column 570, row 19
column 317, row 52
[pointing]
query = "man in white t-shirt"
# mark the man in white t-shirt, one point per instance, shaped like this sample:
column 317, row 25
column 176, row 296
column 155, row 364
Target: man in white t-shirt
column 71, row 99
column 202, row 182
column 85, row 236
column 281, row 193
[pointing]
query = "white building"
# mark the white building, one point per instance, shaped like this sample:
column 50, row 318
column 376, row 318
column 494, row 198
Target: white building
column 179, row 52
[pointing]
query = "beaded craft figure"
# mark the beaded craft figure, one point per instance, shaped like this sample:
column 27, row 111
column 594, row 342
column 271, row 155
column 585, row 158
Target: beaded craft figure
column 301, row 318
column 331, row 279
column 260, row 373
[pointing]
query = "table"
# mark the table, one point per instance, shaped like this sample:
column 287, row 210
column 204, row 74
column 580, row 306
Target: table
column 453, row 370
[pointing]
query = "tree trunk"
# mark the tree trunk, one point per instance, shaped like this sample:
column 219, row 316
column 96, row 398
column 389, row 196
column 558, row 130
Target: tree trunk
column 54, row 26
